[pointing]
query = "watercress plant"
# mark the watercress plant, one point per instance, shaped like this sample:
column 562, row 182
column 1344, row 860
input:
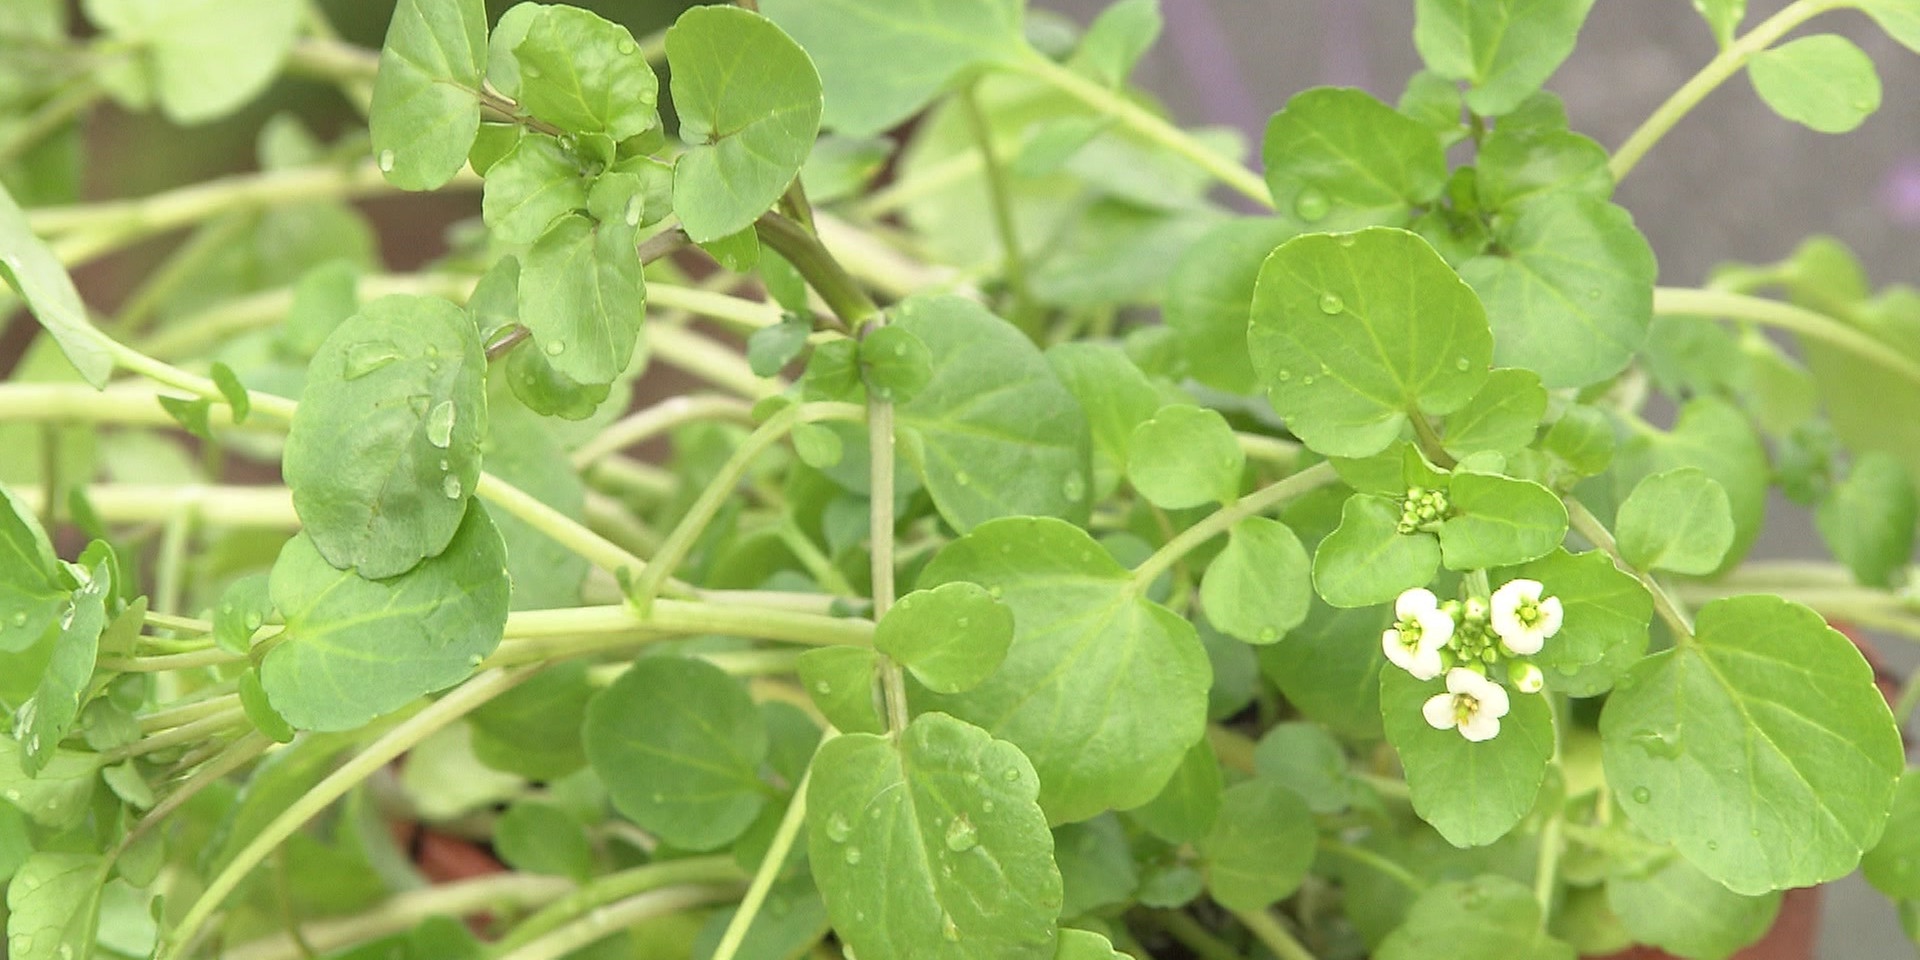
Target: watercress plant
column 1048, row 561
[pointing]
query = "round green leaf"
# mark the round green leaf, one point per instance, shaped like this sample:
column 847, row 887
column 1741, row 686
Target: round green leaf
column 896, row 364
column 260, row 711
column 1366, row 560
column 582, row 73
column 582, row 297
column 1823, row 82
column 1893, row 865
column 1185, row 456
column 1868, row 519
column 934, row 847
column 1306, row 759
column 1185, row 809
column 1679, row 520
column 533, row 730
column 840, row 682
column 951, row 637
column 243, row 608
column 1116, row 397
column 384, row 451
column 1502, row 417
column 1499, row 521
column 1760, row 749
column 1570, row 292
column 1096, row 865
column 1086, row 945
column 1504, row 48
column 679, row 745
column 1102, row 688
column 1352, row 333
column 355, row 649
column 749, row 105
column 536, row 183
column 1488, row 916
column 1210, row 295
column 426, row 98
column 1260, row 847
column 205, row 58
column 1517, row 164
column 29, row 267
column 1677, row 908
column 1473, row 793
column 1605, row 615
column 542, row 838
column 53, row 906
column 1715, row 436
column 67, row 678
column 1259, row 587
column 29, row 590
column 1338, row 159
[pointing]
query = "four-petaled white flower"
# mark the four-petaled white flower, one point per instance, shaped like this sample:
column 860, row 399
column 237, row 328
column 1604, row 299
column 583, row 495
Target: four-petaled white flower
column 1417, row 637
column 1473, row 704
column 1523, row 620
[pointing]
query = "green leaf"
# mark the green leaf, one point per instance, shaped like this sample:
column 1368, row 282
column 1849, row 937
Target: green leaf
column 1473, row 793
column 191, row 415
column 1488, row 916
column 951, row 637
column 582, row 73
column 29, row 587
column 1502, row 417
column 1605, row 615
column 840, row 682
column 259, row 709
column 1570, row 293
column 1185, row 456
column 384, row 451
column 1306, row 759
column 64, row 684
column 545, row 391
column 1505, row 49
column 534, row 184
column 1893, row 865
column 1117, row 39
column 533, row 730
column 792, row 920
column 535, row 837
column 1116, row 397
column 1185, row 808
column 881, row 63
column 581, row 296
column 1499, row 521
column 1582, row 440
column 59, row 795
column 679, row 745
column 1086, row 945
column 1761, row 749
column 205, row 58
column 1715, row 437
column 1723, row 18
column 244, row 607
column 1102, row 688
column 426, row 98
column 1679, row 520
column 1210, row 295
column 1899, row 18
column 894, row 364
column 770, row 349
column 232, row 390
column 54, row 906
column 994, row 433
column 521, row 450
column 1352, row 333
column 1823, row 82
column 749, row 104
column 30, row 268
column 1366, row 560
column 355, row 649
column 1868, row 519
column 1338, row 159
column 1261, row 845
column 1516, row 164
column 934, row 847
column 1260, row 586
column 1675, row 907
column 1096, row 865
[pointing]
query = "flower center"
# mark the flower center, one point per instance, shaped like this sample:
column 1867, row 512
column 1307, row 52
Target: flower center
column 1528, row 613
column 1464, row 707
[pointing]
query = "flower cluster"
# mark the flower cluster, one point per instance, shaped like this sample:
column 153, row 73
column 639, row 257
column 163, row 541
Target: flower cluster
column 1466, row 642
column 1422, row 509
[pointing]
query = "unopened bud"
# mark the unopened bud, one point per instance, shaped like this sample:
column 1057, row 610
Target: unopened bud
column 1526, row 677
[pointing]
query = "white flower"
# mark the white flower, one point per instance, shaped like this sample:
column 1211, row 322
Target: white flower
column 1472, row 703
column 1414, row 642
column 1522, row 619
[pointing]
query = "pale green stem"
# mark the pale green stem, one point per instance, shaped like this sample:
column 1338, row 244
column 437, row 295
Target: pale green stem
column 680, row 542
column 1728, row 62
column 1674, row 302
column 1283, row 453
column 170, row 563
column 408, row 734
column 769, row 871
column 1589, row 526
column 1268, row 929
column 818, row 564
column 210, row 657
column 877, row 264
column 51, row 116
column 1000, row 202
column 529, row 630
column 893, row 681
column 1146, row 124
column 1375, row 862
column 269, row 308
column 1222, row 520
column 181, row 266
column 191, row 732
column 709, row 360
column 236, row 755
column 627, row 477
column 618, row 886
column 663, row 416
column 404, row 911
column 566, row 531
column 611, row 919
column 739, row 314
column 169, row 621
column 175, row 716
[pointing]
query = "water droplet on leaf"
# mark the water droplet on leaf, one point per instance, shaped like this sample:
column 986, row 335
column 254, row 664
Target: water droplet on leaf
column 440, row 424
column 635, row 207
column 852, row 856
column 1311, row 205
column 1010, row 774
column 838, row 830
column 386, row 161
column 1642, row 795
column 1462, row 364
column 556, row 348
column 367, row 356
column 451, row 487
column 961, row 836
column 1331, row 303
column 962, row 479
column 1073, row 487
column 625, row 47
column 947, row 929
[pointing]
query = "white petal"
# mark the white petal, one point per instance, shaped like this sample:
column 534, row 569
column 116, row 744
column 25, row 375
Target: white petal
column 1508, row 598
column 1424, row 664
column 1462, row 680
column 1439, row 711
column 1436, row 628
column 1396, row 652
column 1480, row 727
column 1550, row 616
column 1414, row 602
column 1493, row 701
column 1523, row 641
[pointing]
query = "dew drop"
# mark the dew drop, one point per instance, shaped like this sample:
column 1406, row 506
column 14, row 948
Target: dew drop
column 1642, row 795
column 635, row 207
column 852, row 856
column 994, row 592
column 440, row 424
column 1073, row 487
column 475, row 660
column 1311, row 205
column 13, row 796
column 1269, row 635
column 947, row 929
column 1010, row 774
column 386, row 161
column 1306, row 381
column 1713, row 844
column 838, row 829
column 823, row 688
column 1331, row 303
column 962, row 479
column 659, row 797
column 253, row 620
column 451, row 487
column 1462, row 364
column 986, row 806
column 625, row 47
column 1284, row 375
column 367, row 356
column 1656, row 743
column 530, row 71
column 1345, row 239
column 444, row 465
column 20, row 619
column 556, row 348
column 961, row 835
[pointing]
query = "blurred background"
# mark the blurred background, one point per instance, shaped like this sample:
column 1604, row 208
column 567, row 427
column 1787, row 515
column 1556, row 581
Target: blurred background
column 1732, row 183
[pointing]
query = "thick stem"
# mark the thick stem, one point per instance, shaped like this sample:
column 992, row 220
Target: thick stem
column 843, row 295
column 1589, row 526
column 1222, row 520
column 1675, row 302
